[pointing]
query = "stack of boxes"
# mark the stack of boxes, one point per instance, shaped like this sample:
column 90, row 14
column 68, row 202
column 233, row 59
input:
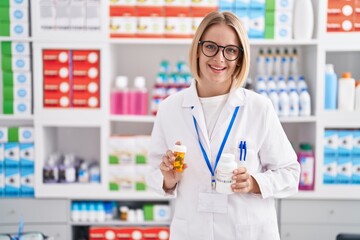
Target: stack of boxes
column 341, row 156
column 70, row 15
column 16, row 78
column 71, row 78
column 14, row 18
column 17, row 161
column 278, row 19
column 157, row 18
column 343, row 16
column 128, row 164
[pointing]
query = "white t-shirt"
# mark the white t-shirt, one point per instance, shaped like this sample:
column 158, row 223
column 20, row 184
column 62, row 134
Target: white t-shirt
column 212, row 107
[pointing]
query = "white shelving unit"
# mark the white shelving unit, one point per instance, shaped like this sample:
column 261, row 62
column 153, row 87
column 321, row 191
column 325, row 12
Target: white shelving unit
column 59, row 129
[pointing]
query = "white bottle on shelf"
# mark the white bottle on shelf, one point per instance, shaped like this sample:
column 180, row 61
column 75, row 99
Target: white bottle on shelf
column 274, row 98
column 346, row 95
column 294, row 103
column 303, row 21
column 357, row 95
column 305, row 102
column 284, row 104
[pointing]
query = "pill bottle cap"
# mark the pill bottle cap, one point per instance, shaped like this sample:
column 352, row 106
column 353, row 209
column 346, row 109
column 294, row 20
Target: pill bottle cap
column 179, row 148
column 121, row 82
column 346, row 75
column 139, row 82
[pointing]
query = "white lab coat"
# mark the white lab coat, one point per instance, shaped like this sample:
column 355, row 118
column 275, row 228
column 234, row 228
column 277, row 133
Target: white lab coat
column 271, row 160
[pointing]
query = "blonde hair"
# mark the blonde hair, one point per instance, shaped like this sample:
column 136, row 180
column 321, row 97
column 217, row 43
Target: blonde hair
column 243, row 63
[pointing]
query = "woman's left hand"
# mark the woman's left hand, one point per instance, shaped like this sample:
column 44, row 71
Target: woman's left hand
column 244, row 182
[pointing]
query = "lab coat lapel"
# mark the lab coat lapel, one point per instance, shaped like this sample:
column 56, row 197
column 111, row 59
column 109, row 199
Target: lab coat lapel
column 236, row 98
column 191, row 100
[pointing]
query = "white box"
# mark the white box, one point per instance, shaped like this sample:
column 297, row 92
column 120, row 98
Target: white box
column 3, row 134
column 26, row 134
column 19, row 14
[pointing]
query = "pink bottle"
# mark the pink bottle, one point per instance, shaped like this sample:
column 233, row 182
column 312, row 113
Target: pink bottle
column 120, row 97
column 139, row 99
column 306, row 159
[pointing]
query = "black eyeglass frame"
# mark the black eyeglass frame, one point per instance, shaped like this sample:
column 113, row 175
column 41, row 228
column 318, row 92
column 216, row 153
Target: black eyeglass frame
column 241, row 50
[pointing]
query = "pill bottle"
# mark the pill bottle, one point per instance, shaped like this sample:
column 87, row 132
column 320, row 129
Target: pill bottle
column 179, row 153
column 224, row 172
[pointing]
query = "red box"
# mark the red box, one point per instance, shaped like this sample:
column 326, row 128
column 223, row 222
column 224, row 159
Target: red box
column 102, row 233
column 129, row 233
column 85, row 100
column 156, row 233
column 56, row 99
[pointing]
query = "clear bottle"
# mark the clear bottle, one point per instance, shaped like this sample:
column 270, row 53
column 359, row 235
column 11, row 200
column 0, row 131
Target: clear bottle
column 260, row 63
column 139, row 97
column 331, row 87
column 294, row 62
column 305, row 103
column 285, row 63
column 269, row 63
column 306, row 159
column 277, row 62
column 346, row 95
column 224, row 172
column 120, row 97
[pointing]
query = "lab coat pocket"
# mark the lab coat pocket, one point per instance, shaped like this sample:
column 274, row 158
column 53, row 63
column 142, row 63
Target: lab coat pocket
column 179, row 229
column 246, row 156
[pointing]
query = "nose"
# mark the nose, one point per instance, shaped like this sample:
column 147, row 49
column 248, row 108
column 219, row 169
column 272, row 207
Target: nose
column 220, row 54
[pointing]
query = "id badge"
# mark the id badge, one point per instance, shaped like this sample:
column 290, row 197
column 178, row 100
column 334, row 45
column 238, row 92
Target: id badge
column 213, row 202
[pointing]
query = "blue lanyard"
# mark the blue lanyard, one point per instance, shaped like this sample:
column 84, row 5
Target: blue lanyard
column 221, row 147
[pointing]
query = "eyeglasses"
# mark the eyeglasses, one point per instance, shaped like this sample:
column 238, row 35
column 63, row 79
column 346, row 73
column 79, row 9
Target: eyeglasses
column 24, row 236
column 230, row 52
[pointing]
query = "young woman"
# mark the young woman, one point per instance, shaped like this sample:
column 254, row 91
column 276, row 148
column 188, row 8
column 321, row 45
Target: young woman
column 215, row 115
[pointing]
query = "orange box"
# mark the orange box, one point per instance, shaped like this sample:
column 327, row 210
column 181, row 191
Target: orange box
column 102, row 233
column 85, row 100
column 357, row 16
column 339, row 24
column 56, row 99
column 129, row 233
column 86, row 57
column 120, row 11
column 59, row 56
column 340, row 15
column 152, row 233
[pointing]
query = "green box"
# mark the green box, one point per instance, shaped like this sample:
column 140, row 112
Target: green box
column 113, row 187
column 148, row 212
column 6, row 48
column 4, row 3
column 8, row 94
column 270, row 18
column 269, row 32
column 5, row 28
column 13, row 134
column 6, row 63
column 4, row 13
column 8, row 79
column 270, row 5
column 8, row 107
column 140, row 159
column 140, row 186
column 113, row 160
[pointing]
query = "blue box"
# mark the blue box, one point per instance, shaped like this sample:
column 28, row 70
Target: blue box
column 12, row 181
column 355, row 179
column 344, row 164
column 27, row 154
column 258, row 4
column 330, row 156
column 257, row 23
column 11, row 154
column 242, row 4
column 27, row 181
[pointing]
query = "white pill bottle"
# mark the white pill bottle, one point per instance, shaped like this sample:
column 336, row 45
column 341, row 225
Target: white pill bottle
column 224, row 173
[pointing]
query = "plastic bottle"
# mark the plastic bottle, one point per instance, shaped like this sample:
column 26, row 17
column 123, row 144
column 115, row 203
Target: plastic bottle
column 346, row 95
column 281, row 84
column 331, row 87
column 303, row 20
column 294, row 62
column 260, row 84
column 357, row 95
column 271, row 85
column 179, row 152
column 277, row 62
column 223, row 174
column 285, row 63
column 269, row 63
column 306, row 159
column 274, row 98
column 120, row 96
column 139, row 97
column 305, row 103
column 301, row 84
column 284, row 105
column 294, row 103
column 291, row 83
column 260, row 63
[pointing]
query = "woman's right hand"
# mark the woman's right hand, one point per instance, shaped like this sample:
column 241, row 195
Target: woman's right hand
column 171, row 177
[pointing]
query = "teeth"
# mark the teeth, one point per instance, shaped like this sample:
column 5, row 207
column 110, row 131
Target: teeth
column 216, row 68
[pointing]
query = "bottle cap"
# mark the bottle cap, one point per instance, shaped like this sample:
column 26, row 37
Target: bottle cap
column 139, row 82
column 227, row 157
column 121, row 82
column 357, row 83
column 179, row 148
column 305, row 146
column 329, row 68
column 346, row 75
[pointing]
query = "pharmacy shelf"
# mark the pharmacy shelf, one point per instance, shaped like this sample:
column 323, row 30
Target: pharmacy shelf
column 132, row 118
column 121, row 223
column 16, row 39
column 340, row 119
column 335, row 191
